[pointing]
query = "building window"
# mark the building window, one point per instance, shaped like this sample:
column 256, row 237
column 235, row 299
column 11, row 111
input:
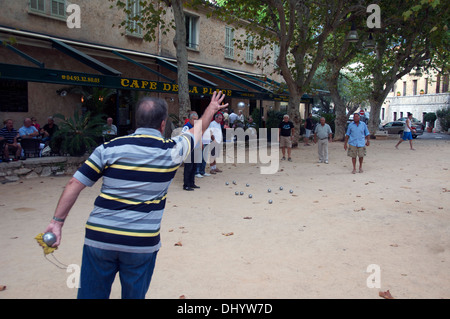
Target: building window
column 438, row 83
column 229, row 42
column 58, row 8
column 50, row 8
column 382, row 113
column 249, row 50
column 13, row 96
column 37, row 5
column 426, row 86
column 414, row 87
column 445, row 84
column 404, row 88
column 395, row 116
column 134, row 12
column 191, row 32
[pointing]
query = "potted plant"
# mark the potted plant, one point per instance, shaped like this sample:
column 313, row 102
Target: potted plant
column 79, row 134
column 430, row 117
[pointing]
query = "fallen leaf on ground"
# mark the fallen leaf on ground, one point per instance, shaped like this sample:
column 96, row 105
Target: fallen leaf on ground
column 228, row 234
column 248, row 217
column 385, row 294
column 178, row 244
column 182, row 297
column 2, row 288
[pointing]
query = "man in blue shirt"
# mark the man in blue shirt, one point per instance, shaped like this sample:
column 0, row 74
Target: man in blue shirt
column 357, row 137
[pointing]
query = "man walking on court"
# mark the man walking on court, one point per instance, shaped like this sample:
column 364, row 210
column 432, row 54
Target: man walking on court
column 407, row 133
column 357, row 137
column 323, row 134
column 123, row 230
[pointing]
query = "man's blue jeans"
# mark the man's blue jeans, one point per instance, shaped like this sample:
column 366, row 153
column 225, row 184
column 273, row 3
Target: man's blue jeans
column 99, row 268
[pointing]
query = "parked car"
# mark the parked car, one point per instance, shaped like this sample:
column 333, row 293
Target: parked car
column 397, row 127
column 415, row 122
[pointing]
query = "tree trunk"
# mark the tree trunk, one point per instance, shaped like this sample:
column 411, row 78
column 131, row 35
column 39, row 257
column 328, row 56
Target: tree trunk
column 182, row 59
column 294, row 115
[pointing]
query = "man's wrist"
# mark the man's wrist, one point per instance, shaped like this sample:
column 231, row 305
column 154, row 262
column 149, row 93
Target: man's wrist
column 60, row 220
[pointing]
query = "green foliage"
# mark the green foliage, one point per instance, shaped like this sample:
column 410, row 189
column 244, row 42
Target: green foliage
column 444, row 118
column 430, row 117
column 79, row 134
column 274, row 119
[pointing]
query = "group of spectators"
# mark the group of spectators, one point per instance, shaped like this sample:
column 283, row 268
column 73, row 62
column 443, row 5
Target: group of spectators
column 10, row 137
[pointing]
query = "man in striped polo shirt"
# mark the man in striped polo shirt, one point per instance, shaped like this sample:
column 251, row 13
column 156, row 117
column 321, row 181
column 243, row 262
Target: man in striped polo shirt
column 9, row 136
column 122, row 231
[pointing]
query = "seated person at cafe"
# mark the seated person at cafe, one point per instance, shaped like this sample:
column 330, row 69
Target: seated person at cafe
column 109, row 128
column 10, row 135
column 29, row 131
column 48, row 130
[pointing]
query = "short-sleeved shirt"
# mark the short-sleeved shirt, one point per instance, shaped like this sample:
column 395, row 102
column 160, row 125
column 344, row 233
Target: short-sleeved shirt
column 9, row 135
column 23, row 131
column 286, row 128
column 322, row 132
column 357, row 134
column 137, row 171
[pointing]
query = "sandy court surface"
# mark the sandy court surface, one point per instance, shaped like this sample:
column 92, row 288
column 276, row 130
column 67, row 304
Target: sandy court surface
column 317, row 242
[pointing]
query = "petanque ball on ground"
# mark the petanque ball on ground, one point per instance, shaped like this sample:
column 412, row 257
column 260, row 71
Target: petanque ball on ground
column 247, row 185
column 291, row 191
column 281, row 188
column 270, row 201
column 250, row 196
column 269, row 190
column 242, row 193
column 236, row 193
column 226, row 183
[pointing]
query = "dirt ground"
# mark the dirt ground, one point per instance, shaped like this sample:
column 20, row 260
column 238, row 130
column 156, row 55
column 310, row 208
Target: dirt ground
column 327, row 239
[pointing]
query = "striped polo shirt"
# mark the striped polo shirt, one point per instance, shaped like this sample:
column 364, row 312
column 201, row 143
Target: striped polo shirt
column 137, row 171
column 9, row 135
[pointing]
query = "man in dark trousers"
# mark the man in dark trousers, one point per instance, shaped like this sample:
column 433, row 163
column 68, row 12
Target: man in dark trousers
column 189, row 164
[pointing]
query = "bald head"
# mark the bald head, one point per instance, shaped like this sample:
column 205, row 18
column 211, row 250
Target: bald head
column 151, row 112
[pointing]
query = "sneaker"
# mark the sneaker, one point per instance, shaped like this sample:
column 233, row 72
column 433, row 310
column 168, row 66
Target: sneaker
column 283, row 158
column 212, row 172
column 290, row 159
column 206, row 174
column 188, row 188
column 326, row 162
column 195, row 186
column 319, row 161
column 218, row 170
column 199, row 175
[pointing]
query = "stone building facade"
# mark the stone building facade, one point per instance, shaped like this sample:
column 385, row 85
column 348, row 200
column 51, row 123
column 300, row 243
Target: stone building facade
column 42, row 59
column 417, row 93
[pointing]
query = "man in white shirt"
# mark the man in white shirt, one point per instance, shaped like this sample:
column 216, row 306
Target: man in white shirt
column 323, row 134
column 215, row 131
column 232, row 118
column 407, row 133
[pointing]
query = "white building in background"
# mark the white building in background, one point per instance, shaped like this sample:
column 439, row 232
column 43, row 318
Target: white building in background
column 418, row 93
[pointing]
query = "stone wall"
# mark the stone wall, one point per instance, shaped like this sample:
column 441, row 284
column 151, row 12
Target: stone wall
column 39, row 167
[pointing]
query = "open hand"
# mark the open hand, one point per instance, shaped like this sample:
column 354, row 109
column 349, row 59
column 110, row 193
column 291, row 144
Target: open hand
column 216, row 101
